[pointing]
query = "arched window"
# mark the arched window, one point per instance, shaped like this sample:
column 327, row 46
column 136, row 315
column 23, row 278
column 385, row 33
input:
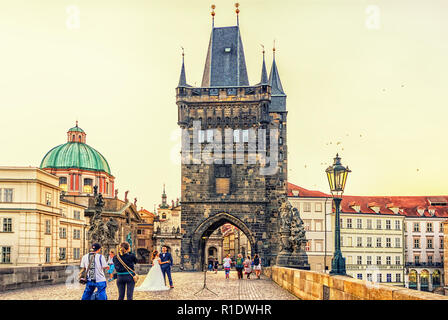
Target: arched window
column 79, row 138
column 436, row 278
column 413, row 279
column 424, row 280
column 73, row 138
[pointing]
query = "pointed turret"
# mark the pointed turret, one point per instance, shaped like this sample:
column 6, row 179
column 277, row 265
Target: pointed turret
column 182, row 78
column 264, row 74
column 278, row 96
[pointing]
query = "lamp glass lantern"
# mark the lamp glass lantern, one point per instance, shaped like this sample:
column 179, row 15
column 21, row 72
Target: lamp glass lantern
column 337, row 177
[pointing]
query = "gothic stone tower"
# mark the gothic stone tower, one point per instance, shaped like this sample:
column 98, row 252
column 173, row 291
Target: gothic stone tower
column 216, row 193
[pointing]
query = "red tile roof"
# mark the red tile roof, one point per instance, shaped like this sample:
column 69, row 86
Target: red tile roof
column 305, row 193
column 146, row 212
column 407, row 205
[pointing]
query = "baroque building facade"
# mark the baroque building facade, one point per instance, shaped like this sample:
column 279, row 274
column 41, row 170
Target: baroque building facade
column 38, row 226
column 230, row 188
column 407, row 226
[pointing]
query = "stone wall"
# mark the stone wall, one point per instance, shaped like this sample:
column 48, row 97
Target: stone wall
column 26, row 277
column 311, row 285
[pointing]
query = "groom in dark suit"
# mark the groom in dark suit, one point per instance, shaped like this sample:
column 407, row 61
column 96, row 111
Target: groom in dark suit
column 167, row 262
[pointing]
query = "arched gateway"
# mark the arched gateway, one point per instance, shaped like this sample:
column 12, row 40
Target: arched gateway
column 235, row 124
column 208, row 226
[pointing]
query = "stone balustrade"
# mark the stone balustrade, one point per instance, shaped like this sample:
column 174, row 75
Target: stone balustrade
column 26, row 277
column 311, row 285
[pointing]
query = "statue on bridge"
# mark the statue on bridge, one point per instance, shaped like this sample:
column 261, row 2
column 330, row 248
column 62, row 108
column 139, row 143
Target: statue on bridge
column 99, row 231
column 292, row 237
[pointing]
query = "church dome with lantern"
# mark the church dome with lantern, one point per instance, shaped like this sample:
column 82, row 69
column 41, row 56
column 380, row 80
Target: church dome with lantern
column 79, row 166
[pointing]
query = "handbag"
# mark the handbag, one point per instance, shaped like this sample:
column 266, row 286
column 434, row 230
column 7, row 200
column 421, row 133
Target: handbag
column 82, row 278
column 135, row 276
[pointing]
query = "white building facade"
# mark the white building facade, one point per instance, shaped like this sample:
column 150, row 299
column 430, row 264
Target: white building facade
column 315, row 210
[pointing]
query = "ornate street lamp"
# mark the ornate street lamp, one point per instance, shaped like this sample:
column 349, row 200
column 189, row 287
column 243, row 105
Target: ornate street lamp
column 337, row 176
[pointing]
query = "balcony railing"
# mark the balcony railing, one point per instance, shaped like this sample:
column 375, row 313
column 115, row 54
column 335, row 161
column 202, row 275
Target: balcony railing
column 425, row 264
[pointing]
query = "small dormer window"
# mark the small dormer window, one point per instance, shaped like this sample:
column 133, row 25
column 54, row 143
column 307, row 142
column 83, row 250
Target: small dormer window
column 394, row 209
column 227, row 49
column 421, row 211
column 295, row 193
column 432, row 212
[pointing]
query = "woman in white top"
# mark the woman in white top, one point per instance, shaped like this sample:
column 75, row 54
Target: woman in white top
column 154, row 279
column 257, row 266
column 227, row 262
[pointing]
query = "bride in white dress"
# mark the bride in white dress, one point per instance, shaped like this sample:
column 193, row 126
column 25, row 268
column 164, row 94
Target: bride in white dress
column 154, row 279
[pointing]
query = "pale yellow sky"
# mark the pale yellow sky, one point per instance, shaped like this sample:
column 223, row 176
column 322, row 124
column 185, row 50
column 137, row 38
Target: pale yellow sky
column 117, row 73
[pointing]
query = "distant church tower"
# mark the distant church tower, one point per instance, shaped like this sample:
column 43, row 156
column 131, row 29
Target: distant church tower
column 237, row 193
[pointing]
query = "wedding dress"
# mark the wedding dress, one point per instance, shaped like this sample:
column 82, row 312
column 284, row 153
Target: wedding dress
column 154, row 279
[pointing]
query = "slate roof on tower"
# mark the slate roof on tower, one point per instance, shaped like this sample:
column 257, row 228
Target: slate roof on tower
column 225, row 65
column 278, row 96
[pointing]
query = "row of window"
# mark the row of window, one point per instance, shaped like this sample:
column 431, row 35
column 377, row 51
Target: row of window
column 87, row 186
column 307, row 207
column 379, row 224
column 63, row 254
column 379, row 260
column 429, row 227
column 7, row 226
column 318, row 225
column 7, row 195
column 63, row 233
column 429, row 259
column 429, row 243
column 369, row 243
column 5, row 254
column 239, row 135
column 379, row 277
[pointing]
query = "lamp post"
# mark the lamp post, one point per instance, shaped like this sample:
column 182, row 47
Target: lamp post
column 337, row 176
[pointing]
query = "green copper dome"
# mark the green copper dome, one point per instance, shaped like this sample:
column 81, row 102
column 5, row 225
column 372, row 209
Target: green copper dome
column 75, row 154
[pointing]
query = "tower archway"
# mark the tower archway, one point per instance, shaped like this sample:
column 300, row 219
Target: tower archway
column 203, row 232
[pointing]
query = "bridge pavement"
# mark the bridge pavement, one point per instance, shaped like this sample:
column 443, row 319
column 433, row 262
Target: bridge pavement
column 186, row 284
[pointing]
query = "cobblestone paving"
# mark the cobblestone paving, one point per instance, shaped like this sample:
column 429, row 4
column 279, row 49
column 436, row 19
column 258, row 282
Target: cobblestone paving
column 186, row 284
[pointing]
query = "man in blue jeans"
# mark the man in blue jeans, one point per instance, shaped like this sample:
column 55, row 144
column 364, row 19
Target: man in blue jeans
column 96, row 265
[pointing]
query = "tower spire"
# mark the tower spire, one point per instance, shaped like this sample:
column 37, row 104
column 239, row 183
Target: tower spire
column 182, row 78
column 164, row 204
column 274, row 77
column 264, row 74
column 278, row 96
